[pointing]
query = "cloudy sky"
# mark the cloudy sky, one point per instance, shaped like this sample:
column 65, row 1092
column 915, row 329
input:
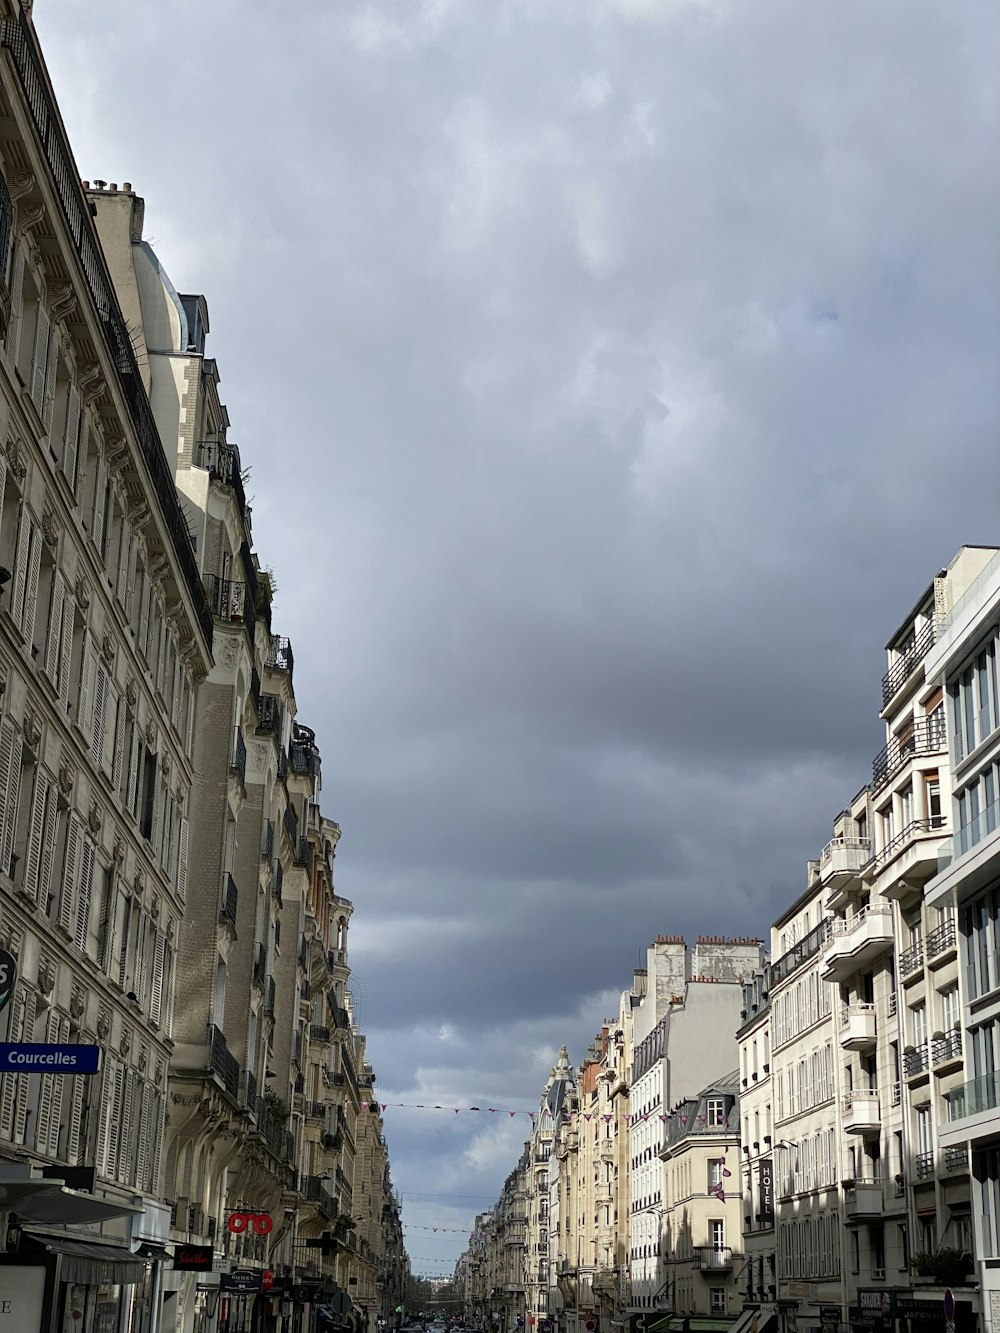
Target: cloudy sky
column 614, row 375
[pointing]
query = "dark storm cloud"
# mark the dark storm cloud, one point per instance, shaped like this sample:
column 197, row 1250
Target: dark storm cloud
column 614, row 377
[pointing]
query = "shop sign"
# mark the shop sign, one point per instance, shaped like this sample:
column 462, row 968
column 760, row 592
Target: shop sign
column 240, row 1222
column 765, row 1187
column 829, row 1314
column 21, row 1299
column 8, row 976
column 243, row 1281
column 27, row 1057
column 193, row 1258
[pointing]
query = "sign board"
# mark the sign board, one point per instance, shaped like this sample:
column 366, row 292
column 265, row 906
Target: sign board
column 765, row 1189
column 27, row 1057
column 949, row 1305
column 8, row 976
column 829, row 1314
column 244, row 1281
column 193, row 1258
column 21, row 1299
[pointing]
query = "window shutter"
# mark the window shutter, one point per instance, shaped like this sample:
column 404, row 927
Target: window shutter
column 39, row 356
column 124, row 1165
column 107, row 924
column 49, row 841
column 74, row 1119
column 81, row 456
column 54, row 636
column 86, row 892
column 124, row 547
column 16, row 306
column 100, row 708
column 156, row 991
column 36, row 827
column 10, row 787
column 133, row 557
column 144, row 614
column 71, row 439
column 142, row 1145
column 182, row 859
column 154, row 1131
column 113, row 701
column 66, row 651
column 21, row 1099
column 21, row 554
column 118, row 757
column 52, row 360
column 67, row 890
column 84, row 708
column 100, row 503
column 133, row 769
column 8, row 1082
column 58, row 1092
column 3, row 478
column 31, row 585
column 139, row 964
column 157, row 828
column 43, row 1117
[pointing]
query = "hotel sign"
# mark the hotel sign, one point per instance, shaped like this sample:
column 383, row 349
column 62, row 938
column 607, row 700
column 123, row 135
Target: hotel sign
column 765, row 1186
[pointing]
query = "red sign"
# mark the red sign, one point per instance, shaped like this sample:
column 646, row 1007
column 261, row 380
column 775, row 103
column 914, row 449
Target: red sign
column 193, row 1258
column 239, row 1222
column 266, row 1280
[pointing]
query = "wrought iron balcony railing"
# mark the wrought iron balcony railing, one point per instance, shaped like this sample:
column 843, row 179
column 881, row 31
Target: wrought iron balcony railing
column 222, row 1062
column 240, row 756
column 941, row 939
column 927, row 735
column 903, row 667
column 230, row 901
column 279, row 655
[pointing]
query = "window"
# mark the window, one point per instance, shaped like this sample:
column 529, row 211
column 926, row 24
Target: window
column 717, row 1233
column 932, row 793
column 715, row 1111
column 717, row 1298
column 715, row 1168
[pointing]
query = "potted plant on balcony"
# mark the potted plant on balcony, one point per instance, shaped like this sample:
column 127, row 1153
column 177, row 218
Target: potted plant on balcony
column 937, row 1036
column 909, row 1050
column 946, row 1267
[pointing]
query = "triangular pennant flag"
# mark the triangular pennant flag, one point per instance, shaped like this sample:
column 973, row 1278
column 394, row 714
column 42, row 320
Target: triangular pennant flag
column 493, row 1108
column 663, row 1116
column 587, row 1115
column 383, row 1105
column 515, row 1113
column 473, row 1108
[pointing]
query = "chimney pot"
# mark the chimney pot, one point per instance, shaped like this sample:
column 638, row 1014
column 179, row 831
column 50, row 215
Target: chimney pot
column 112, row 186
column 127, row 186
column 85, row 184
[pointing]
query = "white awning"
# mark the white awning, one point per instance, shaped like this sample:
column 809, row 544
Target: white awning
column 53, row 1204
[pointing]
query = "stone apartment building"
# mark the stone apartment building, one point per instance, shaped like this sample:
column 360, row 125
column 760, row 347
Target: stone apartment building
column 105, row 634
column 684, row 1035
column 759, row 1281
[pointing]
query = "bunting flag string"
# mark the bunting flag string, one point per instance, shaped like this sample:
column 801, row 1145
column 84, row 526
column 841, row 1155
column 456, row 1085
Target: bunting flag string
column 411, row 1226
column 427, row 1106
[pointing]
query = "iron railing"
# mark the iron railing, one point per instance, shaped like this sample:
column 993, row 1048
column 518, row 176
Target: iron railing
column 315, row 1191
column 906, row 835
column 230, row 600
column 240, row 756
column 911, row 959
column 319, row 1032
column 267, row 851
column 303, row 853
column 948, row 1047
column 279, row 655
column 279, row 876
column 260, row 965
column 799, row 953
column 713, row 1258
column 249, row 1091
column 926, row 736
column 956, row 1158
column 901, row 670
column 941, row 939
column 269, row 713
column 291, row 824
column 916, row 1061
column 269, row 996
column 924, row 1165
column 255, row 689
column 222, row 1062
column 17, row 37
column 230, row 900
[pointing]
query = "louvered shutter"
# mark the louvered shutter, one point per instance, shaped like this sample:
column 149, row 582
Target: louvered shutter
column 124, row 941
column 31, row 586
column 21, row 1098
column 49, row 840
column 3, row 479
column 144, row 615
column 124, row 546
column 49, row 395
column 182, row 859
column 39, row 356
column 106, row 759
column 175, row 692
column 154, row 1131
column 139, row 965
column 124, row 1164
column 81, row 456
column 71, row 438
column 107, row 924
column 67, row 889
column 111, row 1112
column 161, row 648
column 8, row 1082
column 157, row 828
column 74, row 1119
column 133, row 769
column 10, row 786
column 144, row 1095
column 100, row 708
column 133, row 557
column 58, row 1093
column 53, row 638
column 16, row 306
column 82, row 928
column 156, row 990
column 21, row 554
column 84, row 701
column 66, row 652
column 118, row 758
column 36, row 827
column 100, row 503
column 43, row 1118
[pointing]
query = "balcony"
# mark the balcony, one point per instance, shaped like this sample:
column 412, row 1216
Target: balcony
column 857, row 1027
column 231, row 601
column 946, row 1052
column 291, row 826
column 941, row 944
column 853, row 943
column 907, row 662
column 925, row 736
column 969, row 835
column 248, row 1092
column 230, row 901
column 260, row 966
column 318, row 1032
column 923, row 1165
column 841, row 860
column 239, row 764
column 973, row 1098
column 910, row 963
column 269, row 996
column 713, row 1258
column 916, row 1062
column 860, row 1112
column 956, row 1160
column 269, row 715
column 279, row 655
column 267, row 850
column 914, row 854
column 222, row 1063
column 863, row 1198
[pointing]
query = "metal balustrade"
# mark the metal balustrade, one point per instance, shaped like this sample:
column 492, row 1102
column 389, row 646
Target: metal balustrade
column 907, row 662
column 230, row 902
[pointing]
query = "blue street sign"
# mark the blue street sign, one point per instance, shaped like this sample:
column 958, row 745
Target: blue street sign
column 37, row 1058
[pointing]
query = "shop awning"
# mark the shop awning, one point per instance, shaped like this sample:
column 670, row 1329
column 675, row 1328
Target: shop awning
column 52, row 1203
column 83, row 1261
column 745, row 1323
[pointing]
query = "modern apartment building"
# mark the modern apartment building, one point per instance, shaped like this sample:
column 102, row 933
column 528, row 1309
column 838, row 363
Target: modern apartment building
column 105, row 633
column 683, row 1036
column 966, row 1115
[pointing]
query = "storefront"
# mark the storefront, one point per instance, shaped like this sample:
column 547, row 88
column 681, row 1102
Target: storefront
column 889, row 1311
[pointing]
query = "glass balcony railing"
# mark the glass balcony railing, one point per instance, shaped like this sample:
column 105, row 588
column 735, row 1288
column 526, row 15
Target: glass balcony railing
column 978, row 1095
column 969, row 835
